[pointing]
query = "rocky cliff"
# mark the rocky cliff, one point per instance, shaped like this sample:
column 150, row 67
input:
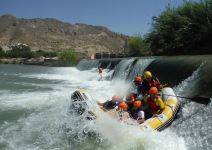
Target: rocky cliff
column 52, row 34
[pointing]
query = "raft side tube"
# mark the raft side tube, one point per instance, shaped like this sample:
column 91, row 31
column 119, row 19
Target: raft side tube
column 164, row 119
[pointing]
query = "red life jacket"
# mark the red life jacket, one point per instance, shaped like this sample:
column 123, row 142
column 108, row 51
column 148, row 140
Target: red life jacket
column 152, row 105
column 148, row 84
column 154, row 83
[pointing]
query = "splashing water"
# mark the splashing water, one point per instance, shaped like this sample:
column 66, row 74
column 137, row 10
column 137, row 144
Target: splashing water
column 122, row 69
column 190, row 83
column 139, row 67
column 193, row 115
column 39, row 119
column 127, row 137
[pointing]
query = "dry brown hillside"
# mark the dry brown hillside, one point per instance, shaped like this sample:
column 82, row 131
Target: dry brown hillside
column 51, row 34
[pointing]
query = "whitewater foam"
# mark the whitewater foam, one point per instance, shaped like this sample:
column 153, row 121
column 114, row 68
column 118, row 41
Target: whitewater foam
column 47, row 122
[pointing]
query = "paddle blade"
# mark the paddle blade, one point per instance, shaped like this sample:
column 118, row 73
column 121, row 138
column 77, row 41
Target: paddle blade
column 201, row 100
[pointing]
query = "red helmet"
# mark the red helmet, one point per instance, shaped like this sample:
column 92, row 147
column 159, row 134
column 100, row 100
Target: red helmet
column 137, row 79
column 137, row 104
column 123, row 106
column 153, row 90
column 116, row 98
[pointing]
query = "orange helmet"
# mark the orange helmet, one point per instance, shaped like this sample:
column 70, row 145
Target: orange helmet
column 137, row 104
column 123, row 106
column 153, row 90
column 116, row 98
column 137, row 79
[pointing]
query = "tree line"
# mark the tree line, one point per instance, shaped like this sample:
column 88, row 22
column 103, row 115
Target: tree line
column 24, row 51
column 186, row 29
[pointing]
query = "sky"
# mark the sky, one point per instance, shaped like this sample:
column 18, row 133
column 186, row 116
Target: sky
column 129, row 17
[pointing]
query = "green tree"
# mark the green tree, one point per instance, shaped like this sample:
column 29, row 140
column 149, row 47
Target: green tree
column 183, row 30
column 2, row 53
column 20, row 51
column 69, row 57
column 137, row 46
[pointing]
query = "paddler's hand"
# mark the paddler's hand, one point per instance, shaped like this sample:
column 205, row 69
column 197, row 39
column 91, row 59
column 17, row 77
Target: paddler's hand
column 164, row 85
column 99, row 103
column 155, row 115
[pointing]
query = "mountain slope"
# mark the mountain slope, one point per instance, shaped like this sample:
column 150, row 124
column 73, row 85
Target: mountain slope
column 51, row 34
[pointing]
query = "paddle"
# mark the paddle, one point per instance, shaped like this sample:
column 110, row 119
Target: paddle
column 198, row 99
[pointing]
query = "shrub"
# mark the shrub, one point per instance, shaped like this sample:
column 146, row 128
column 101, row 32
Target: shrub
column 40, row 53
column 69, row 57
column 2, row 53
column 20, row 51
column 137, row 46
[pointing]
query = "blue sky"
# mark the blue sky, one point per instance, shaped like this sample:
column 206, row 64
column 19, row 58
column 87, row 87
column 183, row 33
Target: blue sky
column 124, row 16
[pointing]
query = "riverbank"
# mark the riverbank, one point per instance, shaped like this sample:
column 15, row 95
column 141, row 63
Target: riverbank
column 43, row 61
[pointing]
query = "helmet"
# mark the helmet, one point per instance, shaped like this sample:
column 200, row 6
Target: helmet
column 116, row 98
column 123, row 106
column 137, row 104
column 147, row 74
column 153, row 90
column 137, row 79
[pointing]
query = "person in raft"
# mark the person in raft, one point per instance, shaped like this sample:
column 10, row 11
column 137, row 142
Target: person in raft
column 154, row 102
column 136, row 112
column 130, row 98
column 110, row 104
column 100, row 73
column 138, row 84
column 148, row 82
column 122, row 111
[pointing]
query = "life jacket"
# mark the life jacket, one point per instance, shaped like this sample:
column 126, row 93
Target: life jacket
column 139, row 89
column 134, row 113
column 148, row 84
column 110, row 104
column 152, row 104
column 130, row 106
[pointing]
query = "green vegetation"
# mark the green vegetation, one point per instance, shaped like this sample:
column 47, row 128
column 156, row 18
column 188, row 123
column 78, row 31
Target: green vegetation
column 69, row 57
column 183, row 30
column 66, row 57
column 177, row 31
column 40, row 53
column 1, row 52
column 137, row 46
column 19, row 51
column 24, row 51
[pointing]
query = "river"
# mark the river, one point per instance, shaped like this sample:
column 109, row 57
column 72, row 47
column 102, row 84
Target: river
column 35, row 105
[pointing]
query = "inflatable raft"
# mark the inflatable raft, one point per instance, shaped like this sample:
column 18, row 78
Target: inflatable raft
column 82, row 101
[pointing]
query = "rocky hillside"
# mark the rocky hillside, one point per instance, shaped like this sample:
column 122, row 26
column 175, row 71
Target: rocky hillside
column 52, row 34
